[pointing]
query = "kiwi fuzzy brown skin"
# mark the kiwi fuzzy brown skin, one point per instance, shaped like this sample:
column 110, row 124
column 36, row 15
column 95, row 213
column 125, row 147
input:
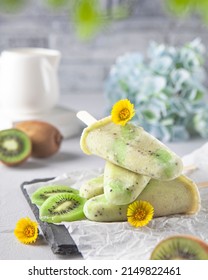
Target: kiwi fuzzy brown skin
column 193, row 248
column 46, row 138
column 24, row 154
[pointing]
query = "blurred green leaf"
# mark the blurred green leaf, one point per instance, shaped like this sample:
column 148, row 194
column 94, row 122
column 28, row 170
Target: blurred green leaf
column 120, row 12
column 57, row 3
column 12, row 5
column 180, row 7
column 88, row 18
column 183, row 7
column 202, row 7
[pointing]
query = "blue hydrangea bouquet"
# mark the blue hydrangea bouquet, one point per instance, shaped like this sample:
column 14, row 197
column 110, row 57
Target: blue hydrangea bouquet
column 167, row 88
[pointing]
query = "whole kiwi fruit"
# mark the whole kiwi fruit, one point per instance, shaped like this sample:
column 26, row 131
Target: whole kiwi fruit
column 46, row 138
column 180, row 247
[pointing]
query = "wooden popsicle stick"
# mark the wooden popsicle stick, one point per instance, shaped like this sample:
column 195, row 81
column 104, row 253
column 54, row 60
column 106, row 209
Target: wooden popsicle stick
column 190, row 167
column 194, row 167
column 86, row 118
column 202, row 184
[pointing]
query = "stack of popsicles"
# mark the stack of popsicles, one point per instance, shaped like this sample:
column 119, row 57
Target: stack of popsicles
column 138, row 167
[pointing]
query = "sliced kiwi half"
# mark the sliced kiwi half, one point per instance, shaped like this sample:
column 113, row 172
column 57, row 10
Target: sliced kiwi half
column 63, row 207
column 43, row 193
column 15, row 146
column 181, row 247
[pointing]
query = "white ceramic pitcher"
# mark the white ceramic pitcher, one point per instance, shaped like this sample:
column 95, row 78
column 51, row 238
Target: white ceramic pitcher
column 28, row 81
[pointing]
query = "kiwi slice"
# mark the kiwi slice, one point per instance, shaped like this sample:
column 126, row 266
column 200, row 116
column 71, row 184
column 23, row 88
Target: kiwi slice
column 63, row 207
column 15, row 146
column 43, row 193
column 181, row 247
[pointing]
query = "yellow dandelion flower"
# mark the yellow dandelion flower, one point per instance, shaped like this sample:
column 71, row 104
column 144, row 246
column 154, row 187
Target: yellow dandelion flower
column 140, row 213
column 26, row 230
column 122, row 112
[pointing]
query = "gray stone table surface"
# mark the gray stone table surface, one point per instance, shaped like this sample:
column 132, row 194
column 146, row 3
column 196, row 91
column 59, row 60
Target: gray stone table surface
column 13, row 204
